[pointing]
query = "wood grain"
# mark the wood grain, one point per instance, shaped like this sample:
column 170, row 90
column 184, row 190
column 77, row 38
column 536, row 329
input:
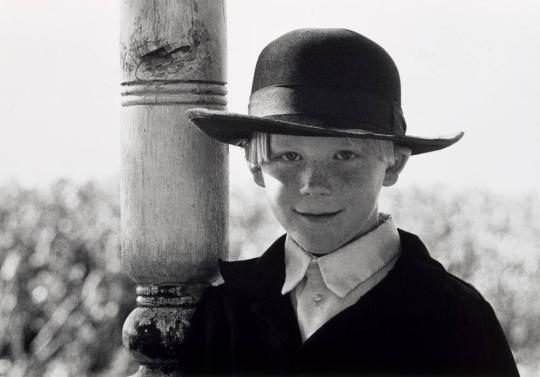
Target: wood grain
column 174, row 194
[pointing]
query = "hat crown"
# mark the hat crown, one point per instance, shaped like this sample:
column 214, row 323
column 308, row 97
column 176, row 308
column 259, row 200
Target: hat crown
column 330, row 58
column 321, row 82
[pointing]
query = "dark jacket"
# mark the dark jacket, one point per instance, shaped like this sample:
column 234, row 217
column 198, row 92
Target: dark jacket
column 419, row 320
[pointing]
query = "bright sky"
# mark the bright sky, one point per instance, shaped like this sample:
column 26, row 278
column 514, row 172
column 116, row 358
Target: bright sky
column 465, row 65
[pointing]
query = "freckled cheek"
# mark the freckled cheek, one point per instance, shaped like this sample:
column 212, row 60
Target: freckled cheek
column 280, row 188
column 285, row 179
column 347, row 180
column 353, row 184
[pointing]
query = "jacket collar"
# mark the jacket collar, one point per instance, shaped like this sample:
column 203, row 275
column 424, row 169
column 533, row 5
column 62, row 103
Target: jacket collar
column 411, row 289
column 264, row 276
column 258, row 277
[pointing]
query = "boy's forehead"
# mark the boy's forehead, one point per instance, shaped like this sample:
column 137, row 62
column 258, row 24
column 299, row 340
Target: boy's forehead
column 279, row 140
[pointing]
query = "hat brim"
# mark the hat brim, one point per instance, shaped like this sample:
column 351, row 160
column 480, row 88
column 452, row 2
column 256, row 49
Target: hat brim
column 236, row 129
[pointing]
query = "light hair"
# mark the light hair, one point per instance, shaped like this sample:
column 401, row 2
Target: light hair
column 258, row 148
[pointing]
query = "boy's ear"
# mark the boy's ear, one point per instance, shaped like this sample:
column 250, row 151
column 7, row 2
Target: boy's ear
column 392, row 172
column 257, row 174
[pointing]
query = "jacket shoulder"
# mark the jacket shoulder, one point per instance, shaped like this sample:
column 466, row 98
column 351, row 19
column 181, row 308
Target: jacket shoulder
column 233, row 270
column 253, row 276
column 427, row 270
column 462, row 290
column 475, row 342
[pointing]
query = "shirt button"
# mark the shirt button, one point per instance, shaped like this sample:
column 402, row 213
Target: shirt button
column 318, row 298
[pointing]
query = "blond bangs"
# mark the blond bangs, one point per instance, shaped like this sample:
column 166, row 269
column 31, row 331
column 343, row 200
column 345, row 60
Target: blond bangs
column 257, row 151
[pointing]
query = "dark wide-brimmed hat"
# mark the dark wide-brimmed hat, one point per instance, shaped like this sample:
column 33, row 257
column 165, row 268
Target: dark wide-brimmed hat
column 321, row 82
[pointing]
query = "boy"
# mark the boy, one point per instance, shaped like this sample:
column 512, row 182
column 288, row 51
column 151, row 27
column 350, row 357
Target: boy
column 344, row 291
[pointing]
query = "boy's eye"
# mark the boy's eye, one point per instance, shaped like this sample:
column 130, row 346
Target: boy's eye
column 290, row 156
column 345, row 155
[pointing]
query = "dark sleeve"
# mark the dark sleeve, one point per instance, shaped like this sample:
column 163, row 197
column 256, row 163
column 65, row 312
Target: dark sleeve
column 478, row 343
column 206, row 351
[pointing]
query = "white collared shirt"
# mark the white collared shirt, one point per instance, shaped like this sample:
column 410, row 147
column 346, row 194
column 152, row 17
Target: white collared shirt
column 324, row 286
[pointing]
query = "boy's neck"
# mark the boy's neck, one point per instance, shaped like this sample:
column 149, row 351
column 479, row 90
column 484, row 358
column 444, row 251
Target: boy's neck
column 381, row 217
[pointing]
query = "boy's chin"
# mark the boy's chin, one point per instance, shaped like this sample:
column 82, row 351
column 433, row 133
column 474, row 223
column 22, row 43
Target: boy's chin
column 319, row 245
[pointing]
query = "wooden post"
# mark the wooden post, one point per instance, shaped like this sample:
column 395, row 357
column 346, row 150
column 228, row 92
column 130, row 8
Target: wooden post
column 173, row 179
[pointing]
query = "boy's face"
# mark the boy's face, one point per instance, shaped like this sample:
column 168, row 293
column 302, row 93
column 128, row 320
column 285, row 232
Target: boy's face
column 323, row 190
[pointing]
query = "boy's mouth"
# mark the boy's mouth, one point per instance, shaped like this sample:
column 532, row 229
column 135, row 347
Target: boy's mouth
column 317, row 216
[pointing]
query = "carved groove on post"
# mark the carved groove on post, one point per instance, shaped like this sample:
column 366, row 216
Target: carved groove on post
column 154, row 332
column 174, row 92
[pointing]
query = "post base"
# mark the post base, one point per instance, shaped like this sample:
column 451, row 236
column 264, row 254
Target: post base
column 154, row 331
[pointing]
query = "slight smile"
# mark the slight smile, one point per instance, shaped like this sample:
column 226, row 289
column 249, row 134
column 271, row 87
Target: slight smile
column 317, row 217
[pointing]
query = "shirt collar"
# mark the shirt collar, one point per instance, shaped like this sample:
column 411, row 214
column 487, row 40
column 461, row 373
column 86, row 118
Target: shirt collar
column 348, row 266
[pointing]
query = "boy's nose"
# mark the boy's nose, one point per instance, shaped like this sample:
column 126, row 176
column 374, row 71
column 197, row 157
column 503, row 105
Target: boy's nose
column 315, row 181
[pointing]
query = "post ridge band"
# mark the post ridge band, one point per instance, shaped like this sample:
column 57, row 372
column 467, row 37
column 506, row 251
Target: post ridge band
column 173, row 92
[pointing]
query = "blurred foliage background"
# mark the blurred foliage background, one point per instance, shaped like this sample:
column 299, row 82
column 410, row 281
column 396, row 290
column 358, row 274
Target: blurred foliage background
column 64, row 297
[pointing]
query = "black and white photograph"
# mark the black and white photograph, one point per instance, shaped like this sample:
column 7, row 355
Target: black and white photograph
column 269, row 187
